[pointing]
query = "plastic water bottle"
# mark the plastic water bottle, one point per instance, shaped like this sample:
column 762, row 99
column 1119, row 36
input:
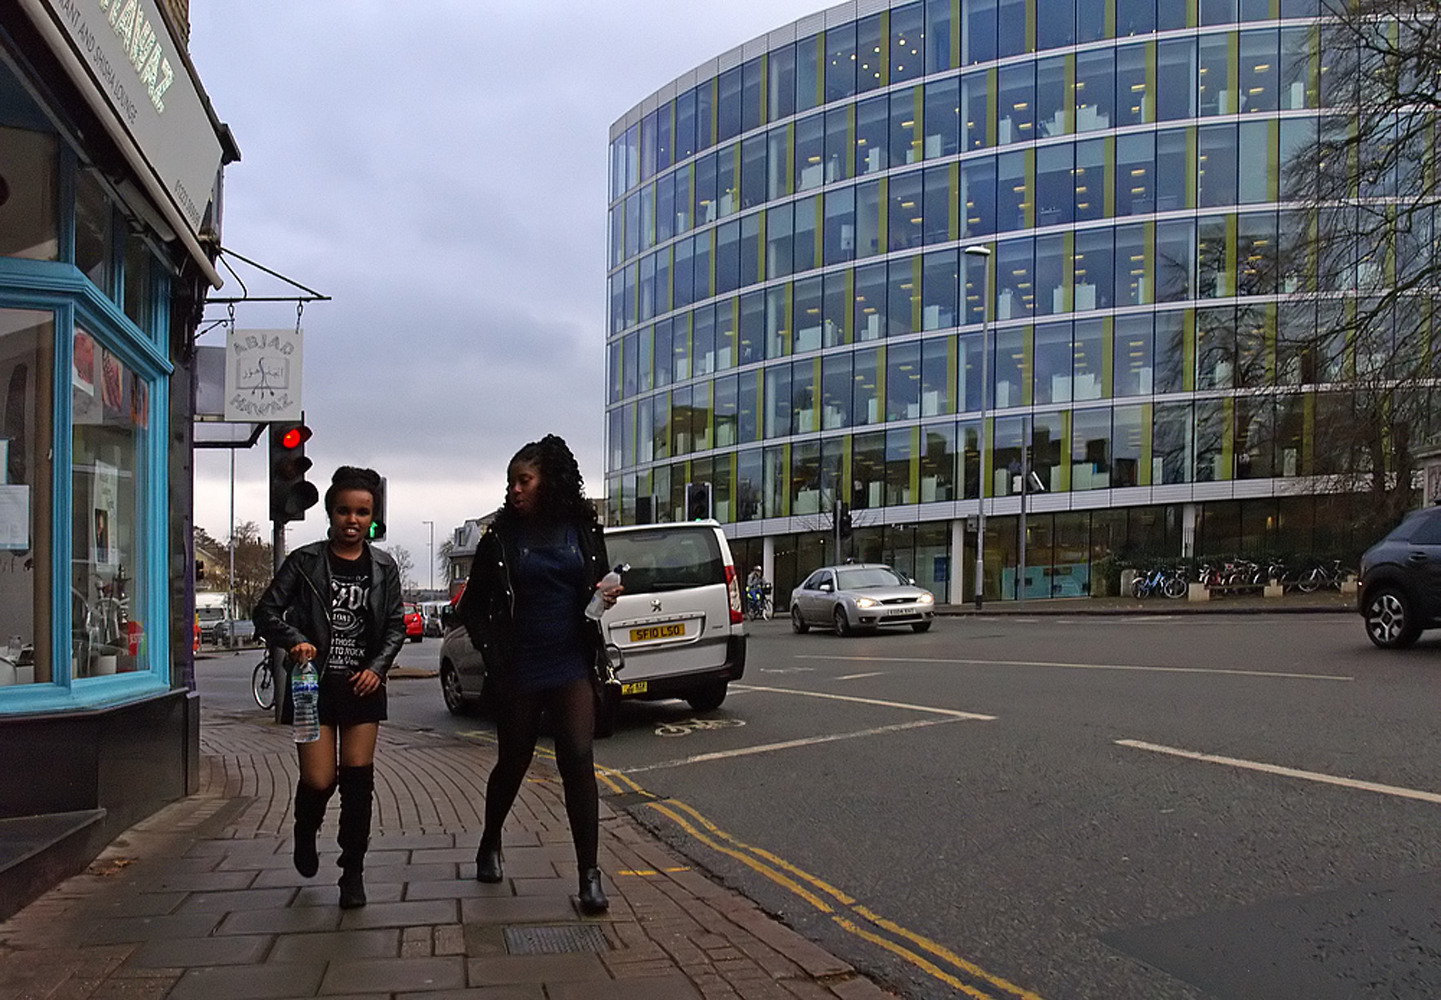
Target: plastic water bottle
column 305, row 696
column 596, row 607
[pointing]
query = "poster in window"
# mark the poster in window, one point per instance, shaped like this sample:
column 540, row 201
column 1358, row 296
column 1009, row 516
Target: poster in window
column 82, row 372
column 139, row 402
column 103, row 515
column 112, row 389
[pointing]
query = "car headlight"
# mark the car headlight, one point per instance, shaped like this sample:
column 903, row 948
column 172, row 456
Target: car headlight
column 865, row 602
column 926, row 598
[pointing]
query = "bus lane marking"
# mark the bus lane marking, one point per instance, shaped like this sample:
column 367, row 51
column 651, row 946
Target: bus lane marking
column 1141, row 668
column 1286, row 772
column 858, row 677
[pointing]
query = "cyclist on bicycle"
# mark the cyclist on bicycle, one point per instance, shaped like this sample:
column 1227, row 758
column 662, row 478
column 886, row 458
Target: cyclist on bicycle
column 756, row 590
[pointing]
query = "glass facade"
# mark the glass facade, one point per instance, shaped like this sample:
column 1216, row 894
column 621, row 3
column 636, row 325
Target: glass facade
column 813, row 331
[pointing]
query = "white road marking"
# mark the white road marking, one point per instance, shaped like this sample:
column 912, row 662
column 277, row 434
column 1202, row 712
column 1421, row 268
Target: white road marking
column 1083, row 666
column 857, row 677
column 950, row 712
column 1287, row 772
column 790, row 744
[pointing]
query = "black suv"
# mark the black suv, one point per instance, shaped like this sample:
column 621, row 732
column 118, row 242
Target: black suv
column 1400, row 592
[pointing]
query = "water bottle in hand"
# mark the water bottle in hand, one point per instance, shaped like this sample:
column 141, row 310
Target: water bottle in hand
column 305, row 696
column 596, row 607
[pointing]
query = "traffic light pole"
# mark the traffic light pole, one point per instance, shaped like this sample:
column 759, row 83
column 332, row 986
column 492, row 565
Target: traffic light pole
column 275, row 653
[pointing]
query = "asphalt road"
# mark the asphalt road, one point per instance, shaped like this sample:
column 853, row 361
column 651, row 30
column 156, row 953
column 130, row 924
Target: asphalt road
column 1148, row 808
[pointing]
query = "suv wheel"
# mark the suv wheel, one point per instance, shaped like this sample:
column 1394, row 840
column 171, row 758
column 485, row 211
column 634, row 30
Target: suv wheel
column 1390, row 623
column 798, row 624
column 455, row 700
column 707, row 698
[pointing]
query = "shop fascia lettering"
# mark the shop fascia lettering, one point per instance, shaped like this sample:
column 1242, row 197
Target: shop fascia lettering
column 137, row 34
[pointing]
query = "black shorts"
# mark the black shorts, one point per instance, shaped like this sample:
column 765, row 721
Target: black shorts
column 339, row 704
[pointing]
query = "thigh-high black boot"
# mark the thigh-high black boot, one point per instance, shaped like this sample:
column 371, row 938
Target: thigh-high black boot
column 309, row 813
column 357, row 787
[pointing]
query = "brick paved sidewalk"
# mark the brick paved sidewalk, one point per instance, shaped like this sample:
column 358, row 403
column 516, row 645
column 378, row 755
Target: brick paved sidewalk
column 200, row 902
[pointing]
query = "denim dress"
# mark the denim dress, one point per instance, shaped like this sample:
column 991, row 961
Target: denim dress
column 548, row 576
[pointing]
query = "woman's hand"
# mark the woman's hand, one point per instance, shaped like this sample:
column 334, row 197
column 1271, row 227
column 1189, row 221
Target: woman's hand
column 302, row 652
column 364, row 682
column 611, row 594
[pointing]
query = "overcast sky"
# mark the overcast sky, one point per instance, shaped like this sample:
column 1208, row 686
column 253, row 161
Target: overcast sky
column 439, row 168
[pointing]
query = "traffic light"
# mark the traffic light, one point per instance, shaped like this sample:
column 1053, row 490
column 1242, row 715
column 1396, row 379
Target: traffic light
column 843, row 520
column 290, row 494
column 697, row 501
column 377, row 523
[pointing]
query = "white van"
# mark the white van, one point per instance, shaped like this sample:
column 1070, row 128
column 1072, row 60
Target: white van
column 678, row 625
column 210, row 612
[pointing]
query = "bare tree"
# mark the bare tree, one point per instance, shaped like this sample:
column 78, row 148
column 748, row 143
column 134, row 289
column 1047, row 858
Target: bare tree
column 254, row 567
column 1360, row 257
column 404, row 564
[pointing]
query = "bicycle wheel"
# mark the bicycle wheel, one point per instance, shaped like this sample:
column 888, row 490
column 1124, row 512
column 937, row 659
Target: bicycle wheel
column 1311, row 581
column 768, row 608
column 1174, row 587
column 262, row 684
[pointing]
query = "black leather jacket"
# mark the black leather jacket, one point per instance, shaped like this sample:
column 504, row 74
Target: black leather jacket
column 487, row 608
column 295, row 607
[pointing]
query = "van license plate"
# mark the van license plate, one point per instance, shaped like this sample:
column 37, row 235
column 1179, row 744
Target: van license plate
column 650, row 633
column 634, row 687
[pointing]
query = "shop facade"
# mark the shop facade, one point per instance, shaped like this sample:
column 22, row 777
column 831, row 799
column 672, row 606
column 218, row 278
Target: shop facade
column 894, row 253
column 110, row 160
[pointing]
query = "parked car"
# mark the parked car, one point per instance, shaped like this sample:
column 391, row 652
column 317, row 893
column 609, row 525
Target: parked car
column 234, row 632
column 1399, row 593
column 860, row 596
column 678, row 627
column 414, row 622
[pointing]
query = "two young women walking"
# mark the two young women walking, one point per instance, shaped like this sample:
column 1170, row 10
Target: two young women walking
column 337, row 602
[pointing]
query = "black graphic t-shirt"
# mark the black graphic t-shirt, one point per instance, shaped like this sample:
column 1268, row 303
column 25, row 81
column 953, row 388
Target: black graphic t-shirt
column 349, row 611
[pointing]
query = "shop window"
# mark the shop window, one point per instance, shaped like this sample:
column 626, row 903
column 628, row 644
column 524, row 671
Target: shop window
column 110, row 493
column 27, row 362
column 29, row 182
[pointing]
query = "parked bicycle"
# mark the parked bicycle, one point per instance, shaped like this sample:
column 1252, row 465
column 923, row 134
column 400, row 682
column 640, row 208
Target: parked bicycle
column 1321, row 576
column 1168, row 582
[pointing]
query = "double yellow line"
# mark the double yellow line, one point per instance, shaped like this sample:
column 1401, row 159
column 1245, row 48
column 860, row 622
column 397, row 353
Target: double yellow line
column 930, row 957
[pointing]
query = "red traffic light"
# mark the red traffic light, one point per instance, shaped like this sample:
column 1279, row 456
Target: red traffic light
column 295, row 436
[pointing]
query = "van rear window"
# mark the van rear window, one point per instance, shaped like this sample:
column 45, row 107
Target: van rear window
column 667, row 558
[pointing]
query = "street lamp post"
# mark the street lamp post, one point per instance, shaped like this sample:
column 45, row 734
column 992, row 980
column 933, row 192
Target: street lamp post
column 983, row 254
column 431, row 524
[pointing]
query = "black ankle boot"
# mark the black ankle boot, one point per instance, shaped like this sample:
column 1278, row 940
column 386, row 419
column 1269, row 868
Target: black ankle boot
column 357, row 788
column 592, row 896
column 309, row 812
column 487, row 864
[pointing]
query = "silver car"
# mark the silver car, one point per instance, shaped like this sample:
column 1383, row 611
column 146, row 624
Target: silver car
column 860, row 596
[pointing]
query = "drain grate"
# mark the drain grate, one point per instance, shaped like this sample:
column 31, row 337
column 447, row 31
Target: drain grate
column 554, row 940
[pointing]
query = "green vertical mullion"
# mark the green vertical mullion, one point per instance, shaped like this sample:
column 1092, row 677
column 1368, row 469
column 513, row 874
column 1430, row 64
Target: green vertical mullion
column 1148, row 428
column 1068, row 276
column 710, row 237
column 1193, row 13
column 1308, row 434
column 1028, row 365
column 847, row 440
column 1233, row 261
column 1269, row 343
column 915, row 464
column 955, row 34
column 851, row 140
column 1030, row 175
column 848, row 335
column 916, row 292
column 992, row 77
column 1066, row 434
column 953, row 202
column 1273, row 159
column 1030, row 42
column 1192, row 151
column 791, row 158
column 918, row 126
column 1148, row 105
column 761, row 249
column 883, row 225
column 952, row 373
column 1148, row 265
column 885, row 53
column 1108, row 357
column 1188, row 351
column 765, row 89
column 820, row 94
column 1233, row 72
column 714, row 84
column 881, row 377
column 1108, row 197
column 1068, row 110
column 1228, row 436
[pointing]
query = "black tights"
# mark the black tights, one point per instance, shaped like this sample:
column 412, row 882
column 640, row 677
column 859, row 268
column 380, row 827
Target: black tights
column 572, row 716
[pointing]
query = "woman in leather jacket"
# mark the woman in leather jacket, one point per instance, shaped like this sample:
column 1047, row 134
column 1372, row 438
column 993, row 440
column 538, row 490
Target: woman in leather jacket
column 524, row 608
column 337, row 602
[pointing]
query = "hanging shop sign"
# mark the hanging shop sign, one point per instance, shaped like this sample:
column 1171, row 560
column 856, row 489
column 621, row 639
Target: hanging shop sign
column 262, row 375
column 122, row 57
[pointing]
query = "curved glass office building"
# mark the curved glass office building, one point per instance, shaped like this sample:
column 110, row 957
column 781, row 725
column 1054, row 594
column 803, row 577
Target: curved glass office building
column 805, row 232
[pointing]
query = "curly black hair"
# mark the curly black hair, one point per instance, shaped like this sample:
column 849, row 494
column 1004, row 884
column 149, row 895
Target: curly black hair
column 349, row 477
column 562, row 489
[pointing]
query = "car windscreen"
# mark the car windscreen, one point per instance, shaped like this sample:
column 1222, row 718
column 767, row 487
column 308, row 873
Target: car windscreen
column 667, row 558
column 870, row 576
